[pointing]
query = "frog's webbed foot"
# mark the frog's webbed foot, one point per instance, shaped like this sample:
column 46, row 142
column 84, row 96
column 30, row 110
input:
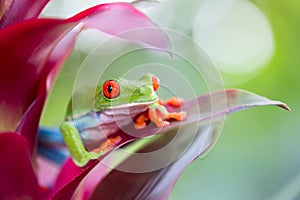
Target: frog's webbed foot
column 174, row 102
column 158, row 114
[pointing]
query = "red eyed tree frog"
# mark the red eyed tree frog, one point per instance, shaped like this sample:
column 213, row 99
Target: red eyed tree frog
column 118, row 99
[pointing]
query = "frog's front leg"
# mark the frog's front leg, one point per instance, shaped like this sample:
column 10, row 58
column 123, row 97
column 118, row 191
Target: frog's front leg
column 159, row 115
column 78, row 152
column 174, row 102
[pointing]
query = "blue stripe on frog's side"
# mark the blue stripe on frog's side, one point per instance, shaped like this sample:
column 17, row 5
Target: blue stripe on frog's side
column 89, row 120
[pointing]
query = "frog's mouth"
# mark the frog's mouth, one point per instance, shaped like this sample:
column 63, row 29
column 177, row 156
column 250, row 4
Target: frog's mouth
column 130, row 109
column 132, row 105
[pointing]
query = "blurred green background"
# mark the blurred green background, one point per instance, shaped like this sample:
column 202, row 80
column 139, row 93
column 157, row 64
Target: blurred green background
column 257, row 155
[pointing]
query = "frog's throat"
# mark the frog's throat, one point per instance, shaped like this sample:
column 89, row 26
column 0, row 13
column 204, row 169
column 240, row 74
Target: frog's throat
column 129, row 105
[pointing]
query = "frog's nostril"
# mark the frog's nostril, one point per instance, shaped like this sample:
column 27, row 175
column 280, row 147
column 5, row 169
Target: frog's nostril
column 141, row 91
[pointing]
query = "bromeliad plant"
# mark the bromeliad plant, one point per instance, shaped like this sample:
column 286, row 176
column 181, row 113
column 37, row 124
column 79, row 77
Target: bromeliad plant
column 32, row 52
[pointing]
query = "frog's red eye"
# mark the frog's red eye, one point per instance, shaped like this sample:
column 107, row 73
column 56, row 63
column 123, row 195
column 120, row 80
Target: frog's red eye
column 111, row 89
column 155, row 83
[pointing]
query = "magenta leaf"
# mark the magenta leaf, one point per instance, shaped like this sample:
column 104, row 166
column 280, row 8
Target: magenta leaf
column 69, row 179
column 18, row 180
column 123, row 20
column 4, row 6
column 219, row 103
column 24, row 68
column 158, row 183
column 155, row 184
column 27, row 126
column 14, row 11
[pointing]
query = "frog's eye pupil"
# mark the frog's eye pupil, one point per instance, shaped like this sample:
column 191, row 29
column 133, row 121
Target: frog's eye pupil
column 111, row 89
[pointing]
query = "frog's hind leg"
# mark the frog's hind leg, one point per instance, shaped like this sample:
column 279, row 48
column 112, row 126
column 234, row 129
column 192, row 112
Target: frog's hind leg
column 78, row 152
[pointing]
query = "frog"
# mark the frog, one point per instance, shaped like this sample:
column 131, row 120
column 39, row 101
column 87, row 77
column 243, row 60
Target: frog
column 119, row 99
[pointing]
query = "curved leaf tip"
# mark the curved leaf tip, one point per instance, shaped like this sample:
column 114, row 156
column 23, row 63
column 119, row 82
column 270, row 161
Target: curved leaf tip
column 250, row 99
column 284, row 106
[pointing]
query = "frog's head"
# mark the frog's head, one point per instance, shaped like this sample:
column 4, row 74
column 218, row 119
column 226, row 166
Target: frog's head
column 120, row 92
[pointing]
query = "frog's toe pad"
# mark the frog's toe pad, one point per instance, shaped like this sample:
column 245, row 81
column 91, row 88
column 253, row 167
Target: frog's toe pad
column 174, row 102
column 178, row 116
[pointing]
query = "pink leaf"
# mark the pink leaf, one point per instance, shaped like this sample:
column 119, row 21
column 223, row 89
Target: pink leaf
column 157, row 183
column 17, row 10
column 69, row 179
column 27, row 126
column 18, row 180
column 25, row 49
column 123, row 20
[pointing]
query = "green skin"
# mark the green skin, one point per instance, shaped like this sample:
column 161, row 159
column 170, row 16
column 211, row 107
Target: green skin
column 137, row 94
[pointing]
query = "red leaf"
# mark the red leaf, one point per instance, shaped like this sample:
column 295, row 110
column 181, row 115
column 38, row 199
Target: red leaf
column 29, row 123
column 69, row 179
column 123, row 20
column 25, row 49
column 18, row 180
column 207, row 112
column 17, row 10
column 155, row 183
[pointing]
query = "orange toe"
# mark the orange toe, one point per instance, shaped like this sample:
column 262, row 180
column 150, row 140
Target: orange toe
column 141, row 120
column 175, row 102
column 179, row 116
